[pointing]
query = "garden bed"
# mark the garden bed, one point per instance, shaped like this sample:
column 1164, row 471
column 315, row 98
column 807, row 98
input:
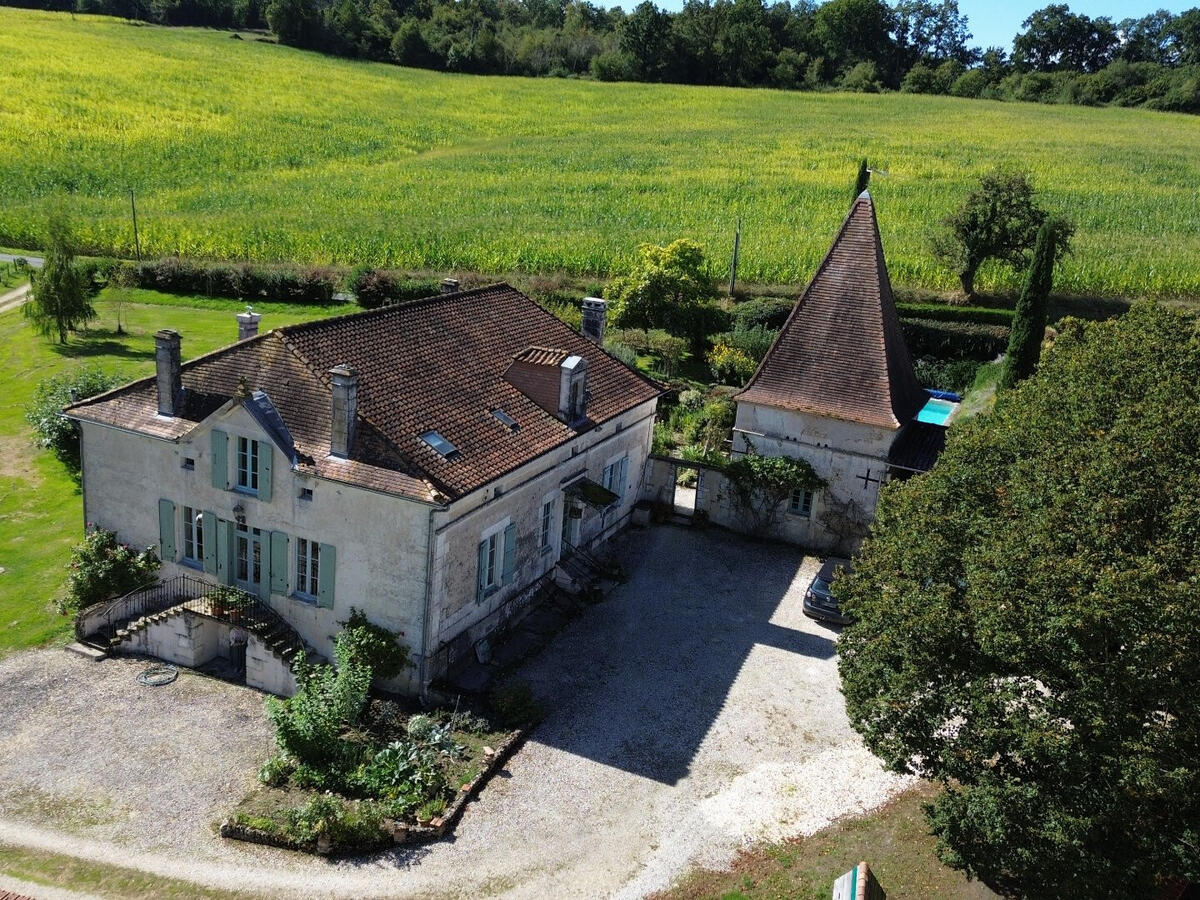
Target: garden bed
column 292, row 812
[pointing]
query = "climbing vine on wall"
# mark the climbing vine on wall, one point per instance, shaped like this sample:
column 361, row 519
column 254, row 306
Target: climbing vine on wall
column 761, row 485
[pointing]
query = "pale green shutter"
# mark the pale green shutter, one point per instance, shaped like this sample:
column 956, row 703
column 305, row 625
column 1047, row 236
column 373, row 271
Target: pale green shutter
column 510, row 553
column 279, row 562
column 326, row 575
column 623, row 476
column 481, row 578
column 166, row 530
column 220, row 460
column 208, row 525
column 264, row 470
column 224, row 552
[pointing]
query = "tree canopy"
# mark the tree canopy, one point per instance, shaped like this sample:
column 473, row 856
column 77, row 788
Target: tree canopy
column 668, row 287
column 61, row 300
column 1028, row 629
column 997, row 220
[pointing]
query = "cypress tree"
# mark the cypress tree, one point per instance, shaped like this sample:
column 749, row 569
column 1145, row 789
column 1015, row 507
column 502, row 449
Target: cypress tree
column 1029, row 321
column 861, row 182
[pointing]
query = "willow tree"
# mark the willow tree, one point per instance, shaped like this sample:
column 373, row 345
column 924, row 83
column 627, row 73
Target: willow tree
column 60, row 301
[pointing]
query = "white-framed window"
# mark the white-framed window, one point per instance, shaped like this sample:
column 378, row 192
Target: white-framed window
column 193, row 537
column 616, row 474
column 491, row 562
column 247, row 464
column 547, row 530
column 497, row 559
column 801, row 503
column 308, row 568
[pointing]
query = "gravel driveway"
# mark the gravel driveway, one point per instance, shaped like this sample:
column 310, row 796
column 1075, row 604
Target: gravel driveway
column 694, row 710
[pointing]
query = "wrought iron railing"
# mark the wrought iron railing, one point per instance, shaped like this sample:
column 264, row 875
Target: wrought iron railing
column 105, row 618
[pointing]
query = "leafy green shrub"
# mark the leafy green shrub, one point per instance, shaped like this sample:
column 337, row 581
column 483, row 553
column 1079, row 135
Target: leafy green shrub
column 349, row 825
column 403, row 772
column 373, row 645
column 301, row 285
column 730, row 365
column 754, row 341
column 44, row 412
column 102, row 567
column 663, row 441
column 691, row 400
column 275, row 771
column 309, row 725
column 954, row 340
column 760, row 485
column 514, row 704
column 946, row 374
column 769, row 312
column 981, row 315
column 622, row 352
column 468, row 723
column 373, row 288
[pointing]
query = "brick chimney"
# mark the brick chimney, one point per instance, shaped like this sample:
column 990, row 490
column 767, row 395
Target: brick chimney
column 166, row 366
column 248, row 323
column 449, row 285
column 345, row 410
column 595, row 317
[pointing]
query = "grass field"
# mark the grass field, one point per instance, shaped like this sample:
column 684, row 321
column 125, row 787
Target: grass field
column 894, row 840
column 41, row 513
column 242, row 149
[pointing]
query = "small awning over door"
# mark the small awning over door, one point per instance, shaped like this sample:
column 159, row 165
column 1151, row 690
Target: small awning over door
column 591, row 493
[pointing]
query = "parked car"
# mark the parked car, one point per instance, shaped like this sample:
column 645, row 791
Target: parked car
column 819, row 602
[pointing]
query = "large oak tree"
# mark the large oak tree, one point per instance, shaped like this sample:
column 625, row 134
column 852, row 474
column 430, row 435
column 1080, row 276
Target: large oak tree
column 1028, row 620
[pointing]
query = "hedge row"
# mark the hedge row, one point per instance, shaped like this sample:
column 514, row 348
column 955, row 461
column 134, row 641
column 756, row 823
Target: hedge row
column 283, row 284
column 954, row 340
column 979, row 315
column 373, row 288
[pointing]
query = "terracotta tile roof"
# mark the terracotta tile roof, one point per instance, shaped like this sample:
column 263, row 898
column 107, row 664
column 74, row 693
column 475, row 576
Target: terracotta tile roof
column 542, row 356
column 841, row 352
column 435, row 364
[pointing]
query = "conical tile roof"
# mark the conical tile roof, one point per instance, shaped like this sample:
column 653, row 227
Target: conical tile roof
column 841, row 352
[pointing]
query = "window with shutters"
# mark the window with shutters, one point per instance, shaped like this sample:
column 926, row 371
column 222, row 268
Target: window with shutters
column 614, row 475
column 247, row 465
column 308, row 568
column 491, row 576
column 193, row 537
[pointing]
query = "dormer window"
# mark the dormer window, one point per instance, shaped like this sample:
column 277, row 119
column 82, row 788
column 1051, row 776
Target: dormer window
column 447, row 450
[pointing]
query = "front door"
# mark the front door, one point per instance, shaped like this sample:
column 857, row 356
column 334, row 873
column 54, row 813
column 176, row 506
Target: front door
column 569, row 536
column 248, row 559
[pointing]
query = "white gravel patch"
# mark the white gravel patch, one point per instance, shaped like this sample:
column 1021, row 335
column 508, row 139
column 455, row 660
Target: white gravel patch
column 692, row 712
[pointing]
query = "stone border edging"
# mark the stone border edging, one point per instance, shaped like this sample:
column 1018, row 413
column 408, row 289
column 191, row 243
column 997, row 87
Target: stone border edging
column 402, row 833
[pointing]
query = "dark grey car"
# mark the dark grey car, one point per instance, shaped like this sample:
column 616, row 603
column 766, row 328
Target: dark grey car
column 819, row 602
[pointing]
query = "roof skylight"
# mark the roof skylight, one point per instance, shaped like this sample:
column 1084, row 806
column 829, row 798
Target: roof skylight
column 441, row 445
column 506, row 420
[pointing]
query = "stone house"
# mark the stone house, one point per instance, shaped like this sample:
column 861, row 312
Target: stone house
column 837, row 389
column 425, row 463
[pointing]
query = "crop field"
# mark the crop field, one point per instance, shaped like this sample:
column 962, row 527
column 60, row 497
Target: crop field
column 244, row 149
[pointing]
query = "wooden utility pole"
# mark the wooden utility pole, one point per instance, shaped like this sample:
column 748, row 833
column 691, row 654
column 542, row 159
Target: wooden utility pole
column 737, row 242
column 137, row 246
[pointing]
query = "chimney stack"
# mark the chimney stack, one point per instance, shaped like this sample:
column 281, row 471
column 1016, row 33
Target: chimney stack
column 166, row 365
column 449, row 285
column 345, row 410
column 595, row 317
column 248, row 323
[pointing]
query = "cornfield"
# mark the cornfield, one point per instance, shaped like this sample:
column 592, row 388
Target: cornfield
column 241, row 149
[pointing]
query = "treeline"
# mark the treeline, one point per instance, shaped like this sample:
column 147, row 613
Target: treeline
column 861, row 45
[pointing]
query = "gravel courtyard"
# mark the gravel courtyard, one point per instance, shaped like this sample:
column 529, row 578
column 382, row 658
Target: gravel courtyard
column 692, row 711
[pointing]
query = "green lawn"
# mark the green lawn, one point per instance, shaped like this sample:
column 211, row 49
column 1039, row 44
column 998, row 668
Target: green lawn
column 893, row 840
column 41, row 513
column 242, row 149
column 98, row 879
